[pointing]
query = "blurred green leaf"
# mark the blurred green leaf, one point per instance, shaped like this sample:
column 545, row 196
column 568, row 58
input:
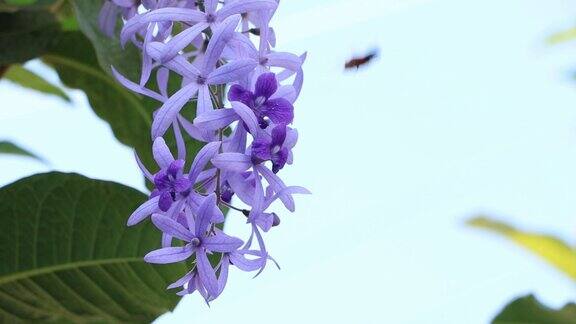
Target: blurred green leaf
column 66, row 255
column 73, row 57
column 108, row 49
column 556, row 252
column 13, row 149
column 528, row 310
column 128, row 114
column 562, row 37
column 16, row 5
column 28, row 79
column 25, row 35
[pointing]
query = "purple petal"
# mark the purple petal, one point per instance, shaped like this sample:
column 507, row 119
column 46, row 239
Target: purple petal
column 221, row 243
column 162, row 153
column 202, row 158
column 284, row 60
column 239, row 7
column 171, row 227
column 287, row 191
column 169, row 255
column 180, row 144
column 135, row 87
column 261, row 150
column 278, row 135
column 287, row 92
column 231, row 71
column 182, row 281
column 238, row 93
column 178, row 64
column 107, row 18
column 215, row 119
column 241, row 262
column 143, row 168
column 237, row 142
column 204, row 100
column 146, row 209
column 247, row 116
column 162, row 77
column 277, row 184
column 204, row 215
column 165, row 201
column 279, row 110
column 206, row 273
column 181, row 41
column 210, row 6
column 170, row 109
column 235, row 162
column 223, row 276
column 266, row 85
column 222, row 33
column 169, row 14
column 279, row 159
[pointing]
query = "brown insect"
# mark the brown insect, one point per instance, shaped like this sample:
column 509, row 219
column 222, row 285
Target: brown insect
column 357, row 62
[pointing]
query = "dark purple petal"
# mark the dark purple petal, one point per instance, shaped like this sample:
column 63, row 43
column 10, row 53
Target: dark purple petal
column 278, row 135
column 165, row 201
column 261, row 150
column 266, row 85
column 161, row 180
column 238, row 93
column 279, row 160
column 175, row 168
column 279, row 110
column 182, row 185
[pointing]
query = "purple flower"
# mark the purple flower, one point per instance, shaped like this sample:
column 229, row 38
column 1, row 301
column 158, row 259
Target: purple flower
column 272, row 147
column 171, row 184
column 198, row 42
column 199, row 239
column 263, row 102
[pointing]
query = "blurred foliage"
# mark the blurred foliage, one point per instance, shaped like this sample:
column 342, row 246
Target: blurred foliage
column 529, row 310
column 28, row 79
column 7, row 147
column 553, row 250
column 562, row 36
column 67, row 257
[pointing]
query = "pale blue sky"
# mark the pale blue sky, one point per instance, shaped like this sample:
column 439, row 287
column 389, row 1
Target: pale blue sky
column 466, row 111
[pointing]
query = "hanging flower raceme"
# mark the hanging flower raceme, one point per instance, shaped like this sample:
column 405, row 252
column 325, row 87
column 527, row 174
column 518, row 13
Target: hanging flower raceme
column 210, row 46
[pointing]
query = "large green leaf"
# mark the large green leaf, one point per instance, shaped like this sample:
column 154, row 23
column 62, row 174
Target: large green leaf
column 28, row 79
column 66, row 254
column 13, row 149
column 25, row 35
column 556, row 252
column 528, row 310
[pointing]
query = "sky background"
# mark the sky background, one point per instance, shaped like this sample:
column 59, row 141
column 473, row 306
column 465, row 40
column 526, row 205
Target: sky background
column 467, row 111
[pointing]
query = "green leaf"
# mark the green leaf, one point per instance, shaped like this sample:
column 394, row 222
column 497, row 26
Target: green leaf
column 108, row 50
column 67, row 256
column 28, row 79
column 528, row 310
column 553, row 250
column 129, row 115
column 13, row 149
column 25, row 35
column 73, row 57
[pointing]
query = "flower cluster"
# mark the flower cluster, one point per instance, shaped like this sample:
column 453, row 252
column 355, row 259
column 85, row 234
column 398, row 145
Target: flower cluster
column 244, row 93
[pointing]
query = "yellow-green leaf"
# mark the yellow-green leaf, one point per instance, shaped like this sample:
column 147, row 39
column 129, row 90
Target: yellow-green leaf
column 556, row 252
column 563, row 36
